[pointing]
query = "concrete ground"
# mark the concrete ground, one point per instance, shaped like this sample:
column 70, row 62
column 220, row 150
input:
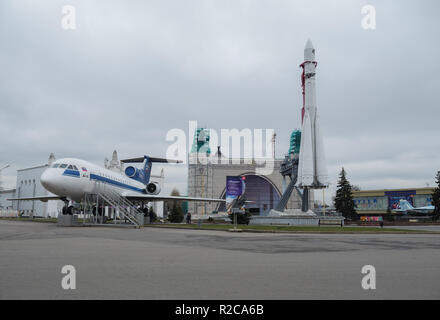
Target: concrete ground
column 151, row 263
column 434, row 228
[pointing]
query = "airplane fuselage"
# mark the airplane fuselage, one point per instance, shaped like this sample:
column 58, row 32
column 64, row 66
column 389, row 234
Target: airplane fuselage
column 73, row 178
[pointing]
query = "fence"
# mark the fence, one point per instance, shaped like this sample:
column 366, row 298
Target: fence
column 8, row 213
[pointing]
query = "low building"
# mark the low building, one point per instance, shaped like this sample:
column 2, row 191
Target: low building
column 377, row 202
column 29, row 185
column 6, row 204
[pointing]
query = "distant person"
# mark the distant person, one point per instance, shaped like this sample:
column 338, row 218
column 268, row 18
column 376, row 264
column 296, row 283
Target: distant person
column 188, row 218
column 151, row 215
column 381, row 223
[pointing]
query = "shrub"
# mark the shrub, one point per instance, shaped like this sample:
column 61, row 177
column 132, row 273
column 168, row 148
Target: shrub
column 242, row 218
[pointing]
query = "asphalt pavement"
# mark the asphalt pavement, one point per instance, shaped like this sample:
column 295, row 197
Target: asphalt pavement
column 153, row 263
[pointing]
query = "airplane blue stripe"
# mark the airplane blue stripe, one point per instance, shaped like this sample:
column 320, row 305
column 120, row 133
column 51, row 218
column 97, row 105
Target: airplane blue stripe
column 114, row 182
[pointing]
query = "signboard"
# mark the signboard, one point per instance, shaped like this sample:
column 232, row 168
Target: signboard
column 395, row 196
column 234, row 188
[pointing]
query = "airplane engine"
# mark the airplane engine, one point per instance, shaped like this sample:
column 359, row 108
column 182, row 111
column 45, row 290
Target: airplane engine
column 153, row 188
column 134, row 173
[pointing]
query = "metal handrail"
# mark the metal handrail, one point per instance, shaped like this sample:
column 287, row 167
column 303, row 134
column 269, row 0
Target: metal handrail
column 125, row 213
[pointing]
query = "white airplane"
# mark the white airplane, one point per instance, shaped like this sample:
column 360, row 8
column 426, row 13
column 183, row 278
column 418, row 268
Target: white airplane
column 405, row 207
column 71, row 179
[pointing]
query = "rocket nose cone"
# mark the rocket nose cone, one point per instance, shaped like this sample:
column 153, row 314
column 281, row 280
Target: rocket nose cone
column 309, row 51
column 309, row 44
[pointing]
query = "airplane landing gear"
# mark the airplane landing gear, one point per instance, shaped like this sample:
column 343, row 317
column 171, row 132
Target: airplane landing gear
column 100, row 210
column 67, row 209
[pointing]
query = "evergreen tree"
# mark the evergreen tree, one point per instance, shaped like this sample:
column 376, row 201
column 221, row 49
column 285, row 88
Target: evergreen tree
column 344, row 202
column 436, row 198
column 170, row 204
column 176, row 214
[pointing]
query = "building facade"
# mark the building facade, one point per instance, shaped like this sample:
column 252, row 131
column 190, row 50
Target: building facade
column 29, row 185
column 6, row 204
column 377, row 202
column 207, row 179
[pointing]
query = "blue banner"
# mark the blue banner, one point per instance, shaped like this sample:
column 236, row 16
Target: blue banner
column 234, row 188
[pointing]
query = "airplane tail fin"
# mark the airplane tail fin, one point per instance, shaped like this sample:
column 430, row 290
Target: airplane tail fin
column 144, row 175
column 405, row 205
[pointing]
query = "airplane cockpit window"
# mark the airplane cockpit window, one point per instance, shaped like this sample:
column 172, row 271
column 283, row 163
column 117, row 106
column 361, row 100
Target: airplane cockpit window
column 56, row 165
column 70, row 167
column 74, row 167
column 63, row 166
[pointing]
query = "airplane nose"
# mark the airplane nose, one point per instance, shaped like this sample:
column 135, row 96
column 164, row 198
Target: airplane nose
column 47, row 180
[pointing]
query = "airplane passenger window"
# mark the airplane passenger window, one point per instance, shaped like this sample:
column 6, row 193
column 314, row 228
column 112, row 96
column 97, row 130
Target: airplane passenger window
column 63, row 166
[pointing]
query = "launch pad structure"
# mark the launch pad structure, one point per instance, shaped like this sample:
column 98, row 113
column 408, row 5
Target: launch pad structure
column 289, row 168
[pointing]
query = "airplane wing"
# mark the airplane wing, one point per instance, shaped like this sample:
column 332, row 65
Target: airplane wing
column 427, row 209
column 43, row 198
column 147, row 197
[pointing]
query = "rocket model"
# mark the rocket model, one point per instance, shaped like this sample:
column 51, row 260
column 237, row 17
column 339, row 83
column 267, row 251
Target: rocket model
column 312, row 170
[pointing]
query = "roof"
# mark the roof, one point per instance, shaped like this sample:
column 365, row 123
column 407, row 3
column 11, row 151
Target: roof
column 31, row 168
column 8, row 191
column 382, row 192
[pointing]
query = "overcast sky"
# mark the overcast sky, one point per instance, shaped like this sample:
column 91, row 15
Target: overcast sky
column 132, row 70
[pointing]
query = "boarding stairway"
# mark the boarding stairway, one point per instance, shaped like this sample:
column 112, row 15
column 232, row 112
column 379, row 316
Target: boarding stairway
column 124, row 206
column 120, row 204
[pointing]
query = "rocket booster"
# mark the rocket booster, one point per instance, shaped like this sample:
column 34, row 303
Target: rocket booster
column 312, row 169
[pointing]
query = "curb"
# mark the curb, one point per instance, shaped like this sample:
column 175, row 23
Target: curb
column 298, row 232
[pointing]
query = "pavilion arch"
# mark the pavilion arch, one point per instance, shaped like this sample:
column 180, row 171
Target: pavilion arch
column 259, row 189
